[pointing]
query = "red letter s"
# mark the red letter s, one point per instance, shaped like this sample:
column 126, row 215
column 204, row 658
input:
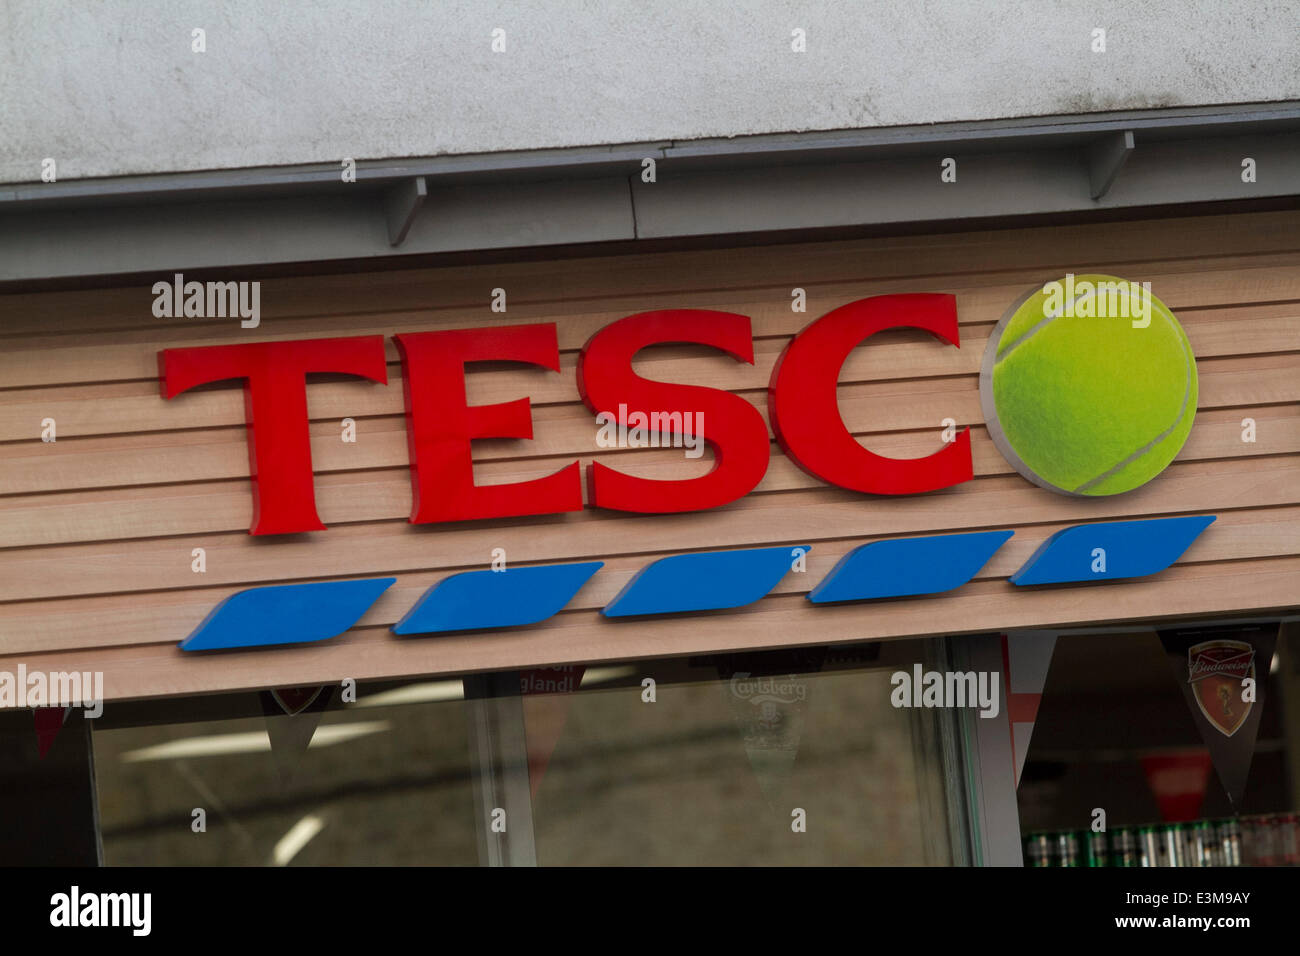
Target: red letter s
column 731, row 425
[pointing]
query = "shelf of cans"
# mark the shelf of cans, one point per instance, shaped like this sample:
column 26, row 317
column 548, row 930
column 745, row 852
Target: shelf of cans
column 1263, row 840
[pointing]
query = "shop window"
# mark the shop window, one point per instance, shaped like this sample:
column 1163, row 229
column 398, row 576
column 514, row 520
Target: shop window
column 1115, row 733
column 787, row 757
column 384, row 780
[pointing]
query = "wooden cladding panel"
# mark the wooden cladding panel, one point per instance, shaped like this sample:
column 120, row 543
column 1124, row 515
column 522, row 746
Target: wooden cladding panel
column 782, row 621
column 96, row 530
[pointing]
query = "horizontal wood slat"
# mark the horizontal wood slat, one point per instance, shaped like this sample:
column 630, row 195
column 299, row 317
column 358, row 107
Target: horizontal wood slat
column 107, row 621
column 105, row 409
column 374, row 653
column 810, row 515
column 346, row 495
column 981, row 300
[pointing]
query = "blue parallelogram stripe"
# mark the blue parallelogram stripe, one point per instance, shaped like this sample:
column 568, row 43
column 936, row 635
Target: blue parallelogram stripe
column 704, row 581
column 473, row 600
column 285, row 614
column 898, row 567
column 1132, row 549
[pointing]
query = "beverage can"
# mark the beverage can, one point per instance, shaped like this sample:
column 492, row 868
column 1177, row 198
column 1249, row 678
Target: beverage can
column 1200, row 840
column 1067, row 848
column 1148, row 847
column 1098, row 849
column 1123, row 847
column 1174, row 849
column 1038, row 850
column 1230, row 848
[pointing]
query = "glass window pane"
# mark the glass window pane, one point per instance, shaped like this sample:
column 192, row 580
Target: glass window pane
column 382, row 781
column 717, row 769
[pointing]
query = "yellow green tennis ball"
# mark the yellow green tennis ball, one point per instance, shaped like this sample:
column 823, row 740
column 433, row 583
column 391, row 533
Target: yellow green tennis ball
column 1089, row 385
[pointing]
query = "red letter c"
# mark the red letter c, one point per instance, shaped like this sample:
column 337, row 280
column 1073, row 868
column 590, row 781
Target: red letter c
column 805, row 412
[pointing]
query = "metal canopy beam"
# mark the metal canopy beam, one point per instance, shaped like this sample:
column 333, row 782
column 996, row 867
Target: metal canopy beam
column 401, row 203
column 1105, row 158
column 868, row 178
column 910, row 190
column 623, row 159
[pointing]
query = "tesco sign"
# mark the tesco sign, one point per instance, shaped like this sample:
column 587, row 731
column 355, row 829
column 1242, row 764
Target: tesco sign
column 1088, row 387
column 441, row 424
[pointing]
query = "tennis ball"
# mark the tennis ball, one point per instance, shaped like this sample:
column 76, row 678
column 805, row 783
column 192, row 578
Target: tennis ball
column 1088, row 385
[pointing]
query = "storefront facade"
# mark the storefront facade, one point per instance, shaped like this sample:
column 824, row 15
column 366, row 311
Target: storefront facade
column 128, row 515
column 138, row 483
column 469, row 437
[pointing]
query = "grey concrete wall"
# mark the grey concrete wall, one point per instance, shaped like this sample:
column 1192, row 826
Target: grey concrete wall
column 112, row 87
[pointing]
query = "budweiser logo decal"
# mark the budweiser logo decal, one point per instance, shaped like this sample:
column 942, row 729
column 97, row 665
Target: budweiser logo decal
column 1216, row 670
column 1229, row 658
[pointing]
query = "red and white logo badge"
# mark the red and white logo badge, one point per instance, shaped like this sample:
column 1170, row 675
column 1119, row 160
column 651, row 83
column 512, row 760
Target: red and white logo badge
column 1215, row 669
